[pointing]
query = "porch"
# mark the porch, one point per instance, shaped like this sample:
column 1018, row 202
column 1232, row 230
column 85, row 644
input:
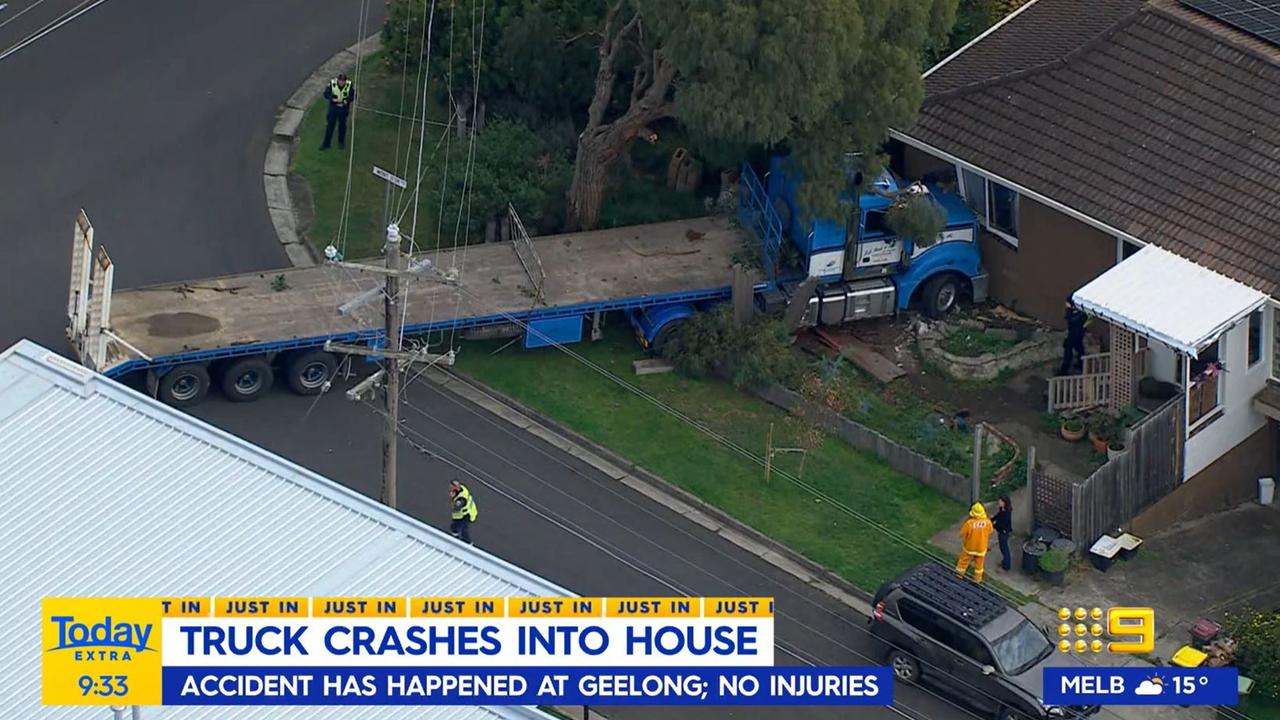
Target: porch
column 1174, row 331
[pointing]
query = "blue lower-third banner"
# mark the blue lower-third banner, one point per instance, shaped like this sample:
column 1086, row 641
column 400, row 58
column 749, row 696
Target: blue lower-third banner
column 526, row 686
column 1141, row 686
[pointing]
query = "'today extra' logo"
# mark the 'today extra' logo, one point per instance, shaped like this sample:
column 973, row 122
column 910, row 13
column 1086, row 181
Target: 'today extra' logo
column 106, row 640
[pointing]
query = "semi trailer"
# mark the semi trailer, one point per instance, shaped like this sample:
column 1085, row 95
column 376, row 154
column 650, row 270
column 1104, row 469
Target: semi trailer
column 247, row 332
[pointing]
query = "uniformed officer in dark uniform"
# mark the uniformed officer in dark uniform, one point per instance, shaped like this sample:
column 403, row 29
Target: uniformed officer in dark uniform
column 340, row 93
column 1073, row 345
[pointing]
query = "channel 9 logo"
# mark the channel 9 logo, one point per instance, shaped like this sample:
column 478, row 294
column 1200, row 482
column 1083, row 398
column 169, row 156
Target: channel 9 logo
column 1121, row 622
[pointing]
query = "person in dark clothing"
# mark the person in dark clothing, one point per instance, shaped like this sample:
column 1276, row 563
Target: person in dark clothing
column 1003, row 523
column 1073, row 345
column 340, row 93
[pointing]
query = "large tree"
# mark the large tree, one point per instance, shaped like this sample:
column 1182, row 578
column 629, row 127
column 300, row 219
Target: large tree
column 825, row 77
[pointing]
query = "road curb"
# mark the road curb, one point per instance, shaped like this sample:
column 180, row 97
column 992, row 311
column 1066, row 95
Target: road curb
column 655, row 488
column 284, row 138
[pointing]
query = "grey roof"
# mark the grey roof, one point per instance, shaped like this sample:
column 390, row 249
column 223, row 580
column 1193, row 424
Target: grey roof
column 108, row 492
column 1143, row 115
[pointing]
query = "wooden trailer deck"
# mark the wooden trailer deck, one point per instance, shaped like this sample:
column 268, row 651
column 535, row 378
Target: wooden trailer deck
column 580, row 268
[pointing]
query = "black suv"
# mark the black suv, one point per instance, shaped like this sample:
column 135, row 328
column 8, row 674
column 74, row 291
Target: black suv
column 964, row 638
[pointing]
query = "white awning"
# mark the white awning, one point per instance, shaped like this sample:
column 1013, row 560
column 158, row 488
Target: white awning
column 1169, row 299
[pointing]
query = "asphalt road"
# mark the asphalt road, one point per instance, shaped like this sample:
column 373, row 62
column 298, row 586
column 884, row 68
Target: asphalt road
column 553, row 514
column 154, row 116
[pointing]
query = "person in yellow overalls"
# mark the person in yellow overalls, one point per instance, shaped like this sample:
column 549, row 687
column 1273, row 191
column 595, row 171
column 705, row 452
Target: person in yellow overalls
column 974, row 537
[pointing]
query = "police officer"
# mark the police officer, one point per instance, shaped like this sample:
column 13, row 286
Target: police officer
column 340, row 93
column 464, row 511
column 1073, row 345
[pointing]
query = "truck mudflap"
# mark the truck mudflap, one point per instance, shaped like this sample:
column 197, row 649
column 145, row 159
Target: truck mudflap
column 979, row 283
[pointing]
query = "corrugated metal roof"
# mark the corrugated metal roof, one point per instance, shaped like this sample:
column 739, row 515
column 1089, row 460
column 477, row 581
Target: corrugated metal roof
column 1169, row 298
column 108, row 492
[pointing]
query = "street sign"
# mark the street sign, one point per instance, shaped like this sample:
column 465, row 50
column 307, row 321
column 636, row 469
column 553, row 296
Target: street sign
column 394, row 180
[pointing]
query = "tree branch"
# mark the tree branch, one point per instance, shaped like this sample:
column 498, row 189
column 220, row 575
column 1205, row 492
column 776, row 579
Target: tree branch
column 606, row 73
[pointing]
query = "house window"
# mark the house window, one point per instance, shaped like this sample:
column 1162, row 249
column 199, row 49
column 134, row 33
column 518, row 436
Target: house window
column 1255, row 337
column 975, row 192
column 995, row 205
column 1207, row 382
column 1003, row 213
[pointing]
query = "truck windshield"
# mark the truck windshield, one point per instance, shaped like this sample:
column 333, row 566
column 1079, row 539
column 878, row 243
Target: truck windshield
column 1021, row 648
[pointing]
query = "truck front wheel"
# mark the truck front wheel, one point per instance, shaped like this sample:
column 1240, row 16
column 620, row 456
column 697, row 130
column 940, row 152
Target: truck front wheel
column 941, row 295
column 247, row 379
column 184, row 386
column 663, row 338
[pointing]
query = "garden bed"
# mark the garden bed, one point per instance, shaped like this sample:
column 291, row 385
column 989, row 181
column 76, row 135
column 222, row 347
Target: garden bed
column 970, row 349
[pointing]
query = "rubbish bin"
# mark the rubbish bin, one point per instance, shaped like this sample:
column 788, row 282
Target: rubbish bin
column 1266, row 490
column 1031, row 552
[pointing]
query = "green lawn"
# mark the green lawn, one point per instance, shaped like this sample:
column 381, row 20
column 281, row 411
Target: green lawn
column 373, row 136
column 609, row 414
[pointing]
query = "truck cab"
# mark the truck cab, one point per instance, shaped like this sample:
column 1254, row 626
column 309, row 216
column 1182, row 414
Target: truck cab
column 859, row 262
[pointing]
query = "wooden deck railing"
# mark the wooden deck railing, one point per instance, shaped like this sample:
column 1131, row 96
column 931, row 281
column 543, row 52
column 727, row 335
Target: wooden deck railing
column 1202, row 400
column 1097, row 364
column 1071, row 392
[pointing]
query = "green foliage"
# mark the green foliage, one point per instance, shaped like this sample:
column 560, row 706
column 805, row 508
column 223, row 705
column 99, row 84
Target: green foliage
column 511, row 164
column 639, row 200
column 279, row 283
column 753, row 354
column 1102, row 424
column 971, row 342
column 1073, row 424
column 917, row 218
column 1053, row 561
column 1257, row 635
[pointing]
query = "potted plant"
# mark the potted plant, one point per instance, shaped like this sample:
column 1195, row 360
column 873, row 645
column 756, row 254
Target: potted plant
column 1115, row 448
column 1100, row 429
column 1053, row 566
column 1072, row 429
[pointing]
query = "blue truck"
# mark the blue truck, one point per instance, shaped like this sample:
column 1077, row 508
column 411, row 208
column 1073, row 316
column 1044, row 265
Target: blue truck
column 245, row 333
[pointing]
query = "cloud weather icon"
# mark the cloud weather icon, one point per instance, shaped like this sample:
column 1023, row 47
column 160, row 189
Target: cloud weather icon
column 1154, row 686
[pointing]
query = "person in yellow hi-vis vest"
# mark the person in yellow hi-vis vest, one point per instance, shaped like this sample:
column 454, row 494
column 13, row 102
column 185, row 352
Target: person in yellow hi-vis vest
column 974, row 536
column 464, row 511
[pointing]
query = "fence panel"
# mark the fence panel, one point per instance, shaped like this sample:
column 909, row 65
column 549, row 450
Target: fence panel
column 1148, row 469
column 1051, row 501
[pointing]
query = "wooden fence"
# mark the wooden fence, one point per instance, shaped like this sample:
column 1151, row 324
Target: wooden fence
column 1148, row 469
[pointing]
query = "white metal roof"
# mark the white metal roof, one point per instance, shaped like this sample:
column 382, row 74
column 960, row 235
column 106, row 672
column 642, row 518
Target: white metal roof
column 1169, row 298
column 108, row 492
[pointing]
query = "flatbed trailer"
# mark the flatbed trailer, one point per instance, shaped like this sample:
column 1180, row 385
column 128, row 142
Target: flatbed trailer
column 544, row 289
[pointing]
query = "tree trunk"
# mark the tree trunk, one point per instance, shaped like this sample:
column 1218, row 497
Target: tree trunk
column 586, row 191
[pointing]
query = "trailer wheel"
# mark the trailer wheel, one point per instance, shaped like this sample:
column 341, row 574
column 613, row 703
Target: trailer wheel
column 663, row 338
column 941, row 295
column 247, row 379
column 309, row 372
column 184, row 386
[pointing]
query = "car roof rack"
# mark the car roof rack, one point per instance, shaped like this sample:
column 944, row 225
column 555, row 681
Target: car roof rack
column 966, row 602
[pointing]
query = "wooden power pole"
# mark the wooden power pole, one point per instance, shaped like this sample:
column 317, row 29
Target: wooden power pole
column 393, row 356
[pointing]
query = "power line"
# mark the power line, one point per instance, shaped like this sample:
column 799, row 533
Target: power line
column 49, row 27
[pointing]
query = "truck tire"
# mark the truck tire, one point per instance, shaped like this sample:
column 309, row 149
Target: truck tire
column 663, row 338
column 247, row 379
column 941, row 295
column 308, row 373
column 183, row 386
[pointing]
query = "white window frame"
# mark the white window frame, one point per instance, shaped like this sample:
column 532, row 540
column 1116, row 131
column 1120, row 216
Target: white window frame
column 1220, row 407
column 984, row 217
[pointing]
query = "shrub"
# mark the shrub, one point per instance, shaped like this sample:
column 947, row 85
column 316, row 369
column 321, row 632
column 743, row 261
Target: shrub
column 754, row 354
column 637, row 201
column 1053, row 561
column 917, row 218
column 1257, row 635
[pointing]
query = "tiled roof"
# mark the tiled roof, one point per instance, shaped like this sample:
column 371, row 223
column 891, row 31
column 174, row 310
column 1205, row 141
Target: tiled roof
column 1163, row 125
column 109, row 493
